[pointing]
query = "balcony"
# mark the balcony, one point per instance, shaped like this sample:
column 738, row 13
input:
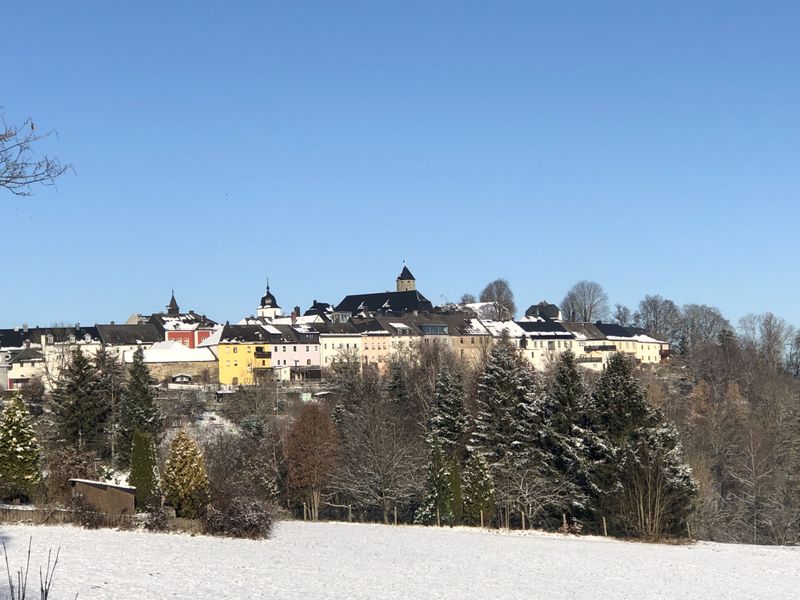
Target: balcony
column 588, row 359
column 262, row 354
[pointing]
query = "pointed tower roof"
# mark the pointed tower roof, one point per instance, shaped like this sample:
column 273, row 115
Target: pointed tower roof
column 172, row 307
column 406, row 274
column 268, row 300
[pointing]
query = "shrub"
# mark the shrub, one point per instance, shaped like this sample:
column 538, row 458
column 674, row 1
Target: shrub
column 156, row 519
column 85, row 513
column 241, row 518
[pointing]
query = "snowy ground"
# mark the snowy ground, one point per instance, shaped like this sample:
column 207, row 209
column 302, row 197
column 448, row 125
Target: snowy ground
column 339, row 560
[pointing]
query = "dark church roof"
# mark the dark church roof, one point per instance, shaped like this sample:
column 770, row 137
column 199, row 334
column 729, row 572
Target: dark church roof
column 172, row 307
column 385, row 302
column 406, row 274
column 268, row 300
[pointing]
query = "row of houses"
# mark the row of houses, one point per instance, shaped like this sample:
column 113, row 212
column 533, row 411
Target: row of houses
column 372, row 328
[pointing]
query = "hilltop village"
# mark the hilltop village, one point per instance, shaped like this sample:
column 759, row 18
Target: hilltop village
column 191, row 349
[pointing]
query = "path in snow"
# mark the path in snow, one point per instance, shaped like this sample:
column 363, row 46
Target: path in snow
column 340, row 560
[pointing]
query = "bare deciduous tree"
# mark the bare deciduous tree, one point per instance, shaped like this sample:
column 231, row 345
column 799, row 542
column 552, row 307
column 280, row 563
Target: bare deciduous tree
column 311, row 452
column 19, row 168
column 701, row 324
column 622, row 315
column 468, row 299
column 659, row 317
column 499, row 293
column 585, row 302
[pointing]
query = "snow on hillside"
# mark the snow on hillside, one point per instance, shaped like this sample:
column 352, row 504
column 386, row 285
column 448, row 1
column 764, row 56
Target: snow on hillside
column 339, row 560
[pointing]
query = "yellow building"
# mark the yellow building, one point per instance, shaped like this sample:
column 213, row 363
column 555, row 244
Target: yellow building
column 244, row 352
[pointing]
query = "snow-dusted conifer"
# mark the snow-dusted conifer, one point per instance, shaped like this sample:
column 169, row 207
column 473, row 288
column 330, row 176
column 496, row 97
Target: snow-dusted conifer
column 80, row 409
column 137, row 409
column 642, row 481
column 185, row 482
column 478, row 491
column 144, row 470
column 19, row 451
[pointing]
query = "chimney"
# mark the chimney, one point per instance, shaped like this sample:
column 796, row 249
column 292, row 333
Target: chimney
column 24, row 328
column 112, row 322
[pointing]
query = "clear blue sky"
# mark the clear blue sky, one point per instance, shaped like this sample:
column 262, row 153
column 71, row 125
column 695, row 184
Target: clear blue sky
column 652, row 147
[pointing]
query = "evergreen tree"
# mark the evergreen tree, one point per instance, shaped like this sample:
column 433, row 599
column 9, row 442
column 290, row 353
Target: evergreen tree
column 478, row 491
column 445, row 437
column 82, row 413
column 137, row 410
column 566, row 440
column 447, row 420
column 508, row 433
column 438, row 499
column 110, row 386
column 144, row 470
column 19, row 451
column 185, row 482
column 640, row 479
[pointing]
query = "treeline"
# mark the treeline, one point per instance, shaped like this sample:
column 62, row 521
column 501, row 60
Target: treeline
column 104, row 422
column 500, row 447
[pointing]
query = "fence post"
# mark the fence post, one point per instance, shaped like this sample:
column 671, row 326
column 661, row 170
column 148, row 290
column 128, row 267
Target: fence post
column 395, row 515
column 349, row 513
column 481, row 519
column 605, row 528
column 305, row 511
column 439, row 519
column 522, row 512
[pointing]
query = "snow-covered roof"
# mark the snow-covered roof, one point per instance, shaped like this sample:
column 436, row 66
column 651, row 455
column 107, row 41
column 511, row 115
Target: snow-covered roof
column 496, row 328
column 173, row 352
column 103, row 483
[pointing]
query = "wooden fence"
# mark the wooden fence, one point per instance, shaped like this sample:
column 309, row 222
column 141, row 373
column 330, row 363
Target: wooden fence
column 62, row 516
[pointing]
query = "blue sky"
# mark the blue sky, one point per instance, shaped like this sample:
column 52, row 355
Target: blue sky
column 652, row 147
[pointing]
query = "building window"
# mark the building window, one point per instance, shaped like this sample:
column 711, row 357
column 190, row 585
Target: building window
column 308, row 361
column 307, row 348
column 235, row 349
column 227, row 363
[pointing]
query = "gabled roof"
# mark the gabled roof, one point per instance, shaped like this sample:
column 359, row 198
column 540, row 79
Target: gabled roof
column 405, row 274
column 395, row 302
column 129, row 335
column 300, row 335
column 16, row 338
column 29, row 354
column 544, row 330
column 246, row 334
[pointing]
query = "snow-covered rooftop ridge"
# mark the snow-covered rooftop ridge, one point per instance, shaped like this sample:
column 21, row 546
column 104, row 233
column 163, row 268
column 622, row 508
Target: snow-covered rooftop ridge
column 172, row 352
column 106, row 483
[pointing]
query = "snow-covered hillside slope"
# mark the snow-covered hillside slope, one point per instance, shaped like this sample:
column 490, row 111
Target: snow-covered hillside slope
column 338, row 560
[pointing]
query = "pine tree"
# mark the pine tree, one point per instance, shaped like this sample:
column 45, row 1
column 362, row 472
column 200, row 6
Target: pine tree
column 447, row 420
column 137, row 409
column 111, row 386
column 185, row 482
column 82, row 414
column 445, row 437
column 507, row 433
column 640, row 479
column 144, row 470
column 19, row 451
column 438, row 499
column 566, row 440
column 478, row 491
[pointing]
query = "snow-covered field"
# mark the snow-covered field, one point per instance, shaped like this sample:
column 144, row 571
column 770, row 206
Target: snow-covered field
column 339, row 560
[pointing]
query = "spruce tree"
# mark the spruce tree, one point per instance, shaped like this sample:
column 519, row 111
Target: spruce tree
column 110, row 385
column 478, row 491
column 640, row 480
column 185, row 482
column 19, row 451
column 137, row 409
column 144, row 470
column 566, row 440
column 445, row 437
column 438, row 499
column 82, row 413
column 447, row 420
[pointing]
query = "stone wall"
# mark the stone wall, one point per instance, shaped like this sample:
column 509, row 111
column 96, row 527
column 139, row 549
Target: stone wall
column 201, row 372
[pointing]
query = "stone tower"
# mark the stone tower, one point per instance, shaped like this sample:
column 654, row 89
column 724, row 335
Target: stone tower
column 406, row 281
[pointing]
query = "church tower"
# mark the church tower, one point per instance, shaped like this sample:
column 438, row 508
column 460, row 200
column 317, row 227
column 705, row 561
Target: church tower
column 269, row 308
column 172, row 308
column 406, row 281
